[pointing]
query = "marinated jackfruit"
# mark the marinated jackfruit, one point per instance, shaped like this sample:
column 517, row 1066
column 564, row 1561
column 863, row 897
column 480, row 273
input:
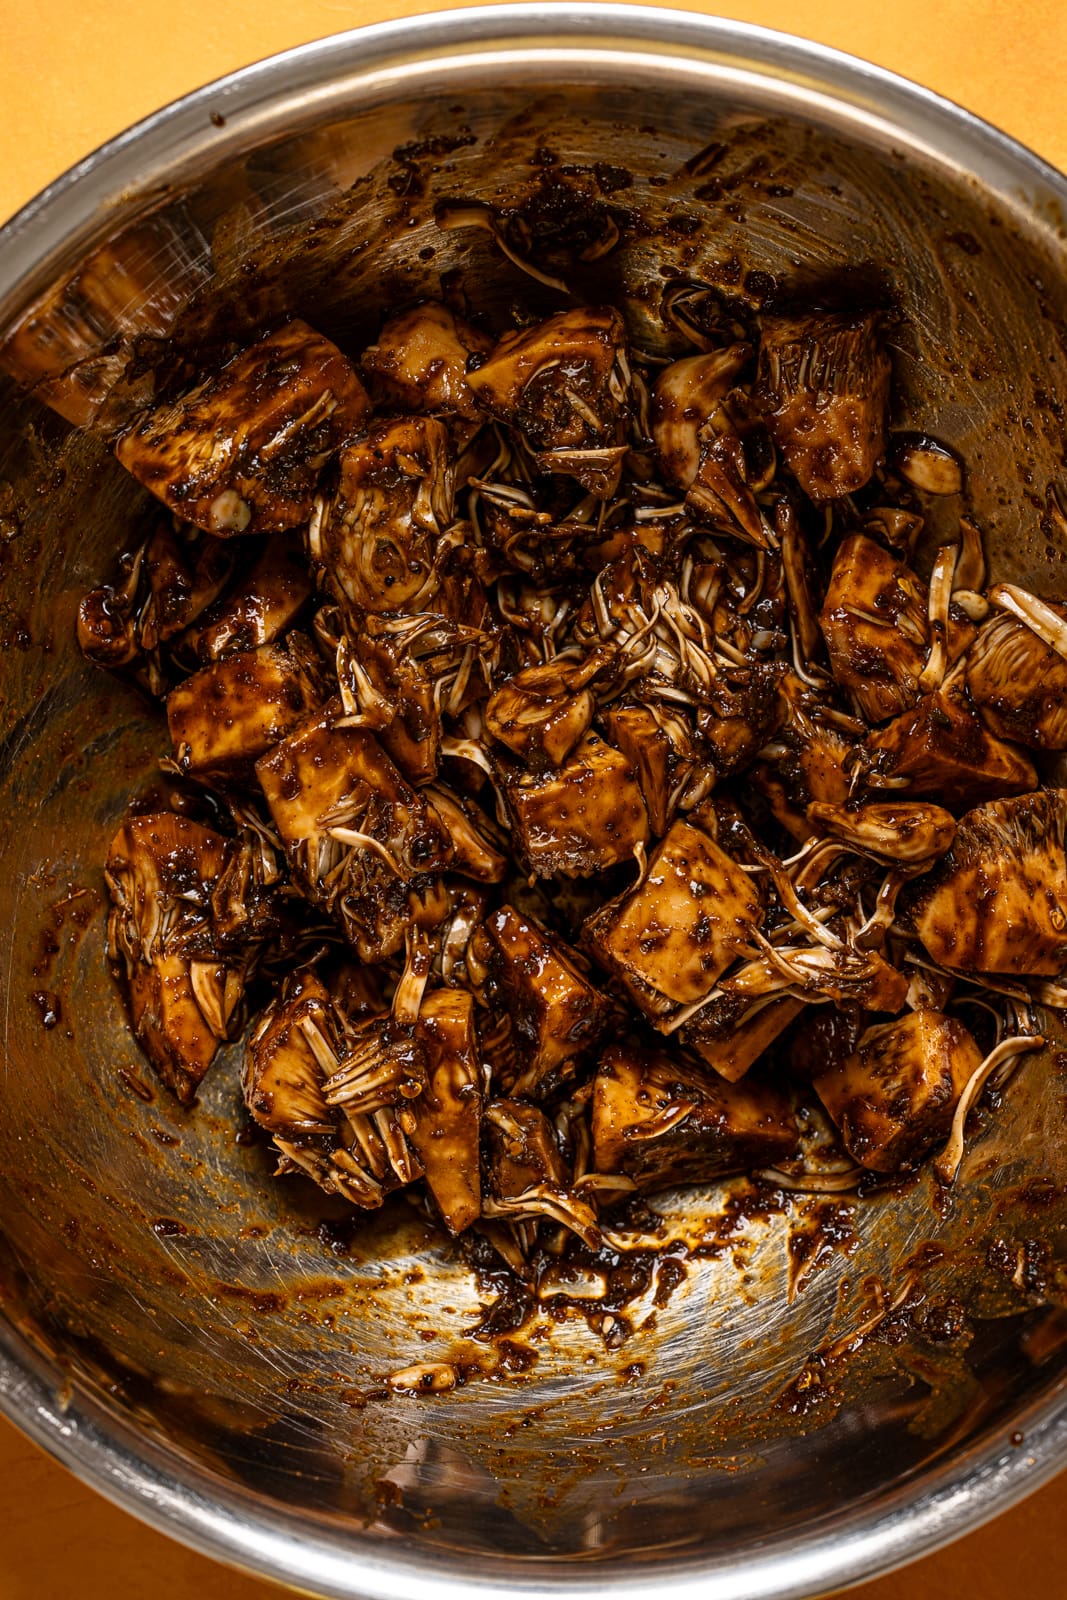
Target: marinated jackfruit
column 998, row 901
column 660, row 1119
column 241, row 453
column 583, row 776
column 671, row 938
column 895, row 1094
column 824, row 385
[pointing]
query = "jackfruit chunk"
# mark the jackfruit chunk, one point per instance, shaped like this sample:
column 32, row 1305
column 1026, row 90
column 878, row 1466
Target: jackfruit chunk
column 361, row 840
column 823, row 383
column 1019, row 683
column 659, row 1119
column 684, row 398
column 419, row 361
column 540, row 713
column 732, row 1048
column 185, row 574
column 874, row 622
column 322, row 776
column 299, row 1082
column 672, row 937
column 522, row 1149
column 556, row 1013
column 997, row 902
column 580, row 817
column 160, row 872
column 564, row 383
column 527, row 1179
column 375, row 543
column 242, row 452
column 895, row 1094
column 660, row 749
column 266, row 598
column 282, row 1078
column 475, row 840
column 906, row 831
column 226, row 715
column 942, row 747
column 448, row 1113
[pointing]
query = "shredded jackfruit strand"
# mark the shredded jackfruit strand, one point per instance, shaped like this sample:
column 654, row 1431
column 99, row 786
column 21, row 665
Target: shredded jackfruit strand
column 816, row 1181
column 937, row 615
column 1040, row 618
column 948, row 1162
column 885, row 1308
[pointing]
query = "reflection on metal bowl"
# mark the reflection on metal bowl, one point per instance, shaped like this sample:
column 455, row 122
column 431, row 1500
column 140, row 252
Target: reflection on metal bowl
column 832, row 1385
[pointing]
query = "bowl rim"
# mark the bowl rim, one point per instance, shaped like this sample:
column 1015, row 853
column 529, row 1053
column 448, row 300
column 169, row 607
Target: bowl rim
column 132, row 1469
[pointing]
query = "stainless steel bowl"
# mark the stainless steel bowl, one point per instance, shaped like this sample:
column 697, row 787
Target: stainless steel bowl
column 829, row 1392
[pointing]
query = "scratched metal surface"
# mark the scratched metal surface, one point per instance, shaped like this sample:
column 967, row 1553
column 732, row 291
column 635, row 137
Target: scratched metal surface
column 145, row 1249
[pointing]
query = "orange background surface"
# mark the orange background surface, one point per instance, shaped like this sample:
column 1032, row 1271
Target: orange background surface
column 74, row 72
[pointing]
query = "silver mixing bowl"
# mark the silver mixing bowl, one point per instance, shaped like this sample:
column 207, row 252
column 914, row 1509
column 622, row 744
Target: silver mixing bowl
column 209, row 1348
